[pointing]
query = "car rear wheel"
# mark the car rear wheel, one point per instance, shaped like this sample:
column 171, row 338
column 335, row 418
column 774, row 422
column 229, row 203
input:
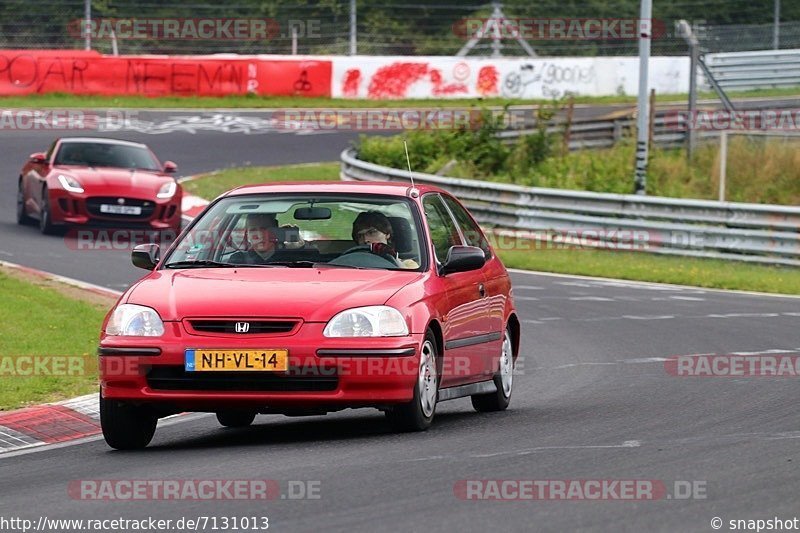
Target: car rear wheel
column 236, row 419
column 503, row 379
column 45, row 224
column 417, row 414
column 22, row 217
column 126, row 426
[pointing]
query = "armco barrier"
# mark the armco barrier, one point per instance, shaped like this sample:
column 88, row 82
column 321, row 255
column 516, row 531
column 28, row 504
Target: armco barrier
column 767, row 69
column 745, row 232
column 25, row 72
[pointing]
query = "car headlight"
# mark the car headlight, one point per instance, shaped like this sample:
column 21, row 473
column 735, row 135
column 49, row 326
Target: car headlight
column 135, row 321
column 69, row 183
column 167, row 190
column 372, row 321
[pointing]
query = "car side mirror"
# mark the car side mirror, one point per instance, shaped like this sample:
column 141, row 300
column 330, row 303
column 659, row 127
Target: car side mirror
column 463, row 259
column 170, row 167
column 38, row 158
column 145, row 256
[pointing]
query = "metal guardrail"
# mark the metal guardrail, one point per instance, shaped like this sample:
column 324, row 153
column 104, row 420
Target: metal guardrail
column 699, row 228
column 766, row 69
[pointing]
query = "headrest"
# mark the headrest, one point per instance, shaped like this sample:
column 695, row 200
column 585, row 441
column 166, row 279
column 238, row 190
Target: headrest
column 401, row 234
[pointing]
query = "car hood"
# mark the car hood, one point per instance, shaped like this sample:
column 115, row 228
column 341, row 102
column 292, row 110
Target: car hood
column 312, row 294
column 121, row 179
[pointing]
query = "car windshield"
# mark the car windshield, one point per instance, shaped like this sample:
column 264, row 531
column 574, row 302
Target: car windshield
column 93, row 154
column 302, row 231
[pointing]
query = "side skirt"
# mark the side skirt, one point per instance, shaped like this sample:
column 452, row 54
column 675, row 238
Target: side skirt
column 482, row 387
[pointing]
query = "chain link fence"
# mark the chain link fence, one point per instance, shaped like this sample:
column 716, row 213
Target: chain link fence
column 324, row 27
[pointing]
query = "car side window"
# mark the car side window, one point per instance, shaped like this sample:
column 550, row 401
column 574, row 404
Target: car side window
column 444, row 233
column 471, row 231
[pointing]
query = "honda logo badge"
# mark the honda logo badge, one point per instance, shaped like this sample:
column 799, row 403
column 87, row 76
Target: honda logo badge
column 242, row 327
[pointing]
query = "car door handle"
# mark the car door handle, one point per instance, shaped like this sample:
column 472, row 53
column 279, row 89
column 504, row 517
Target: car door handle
column 482, row 290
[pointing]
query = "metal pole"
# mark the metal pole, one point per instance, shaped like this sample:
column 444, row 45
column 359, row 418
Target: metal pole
column 694, row 54
column 497, row 45
column 645, row 32
column 114, row 47
column 353, row 35
column 87, row 19
column 723, row 163
column 294, row 41
column 776, row 25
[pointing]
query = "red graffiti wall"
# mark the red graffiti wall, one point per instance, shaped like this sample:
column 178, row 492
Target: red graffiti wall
column 77, row 72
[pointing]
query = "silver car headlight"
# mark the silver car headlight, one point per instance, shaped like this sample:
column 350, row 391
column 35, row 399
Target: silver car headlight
column 372, row 321
column 135, row 321
column 167, row 190
column 69, row 183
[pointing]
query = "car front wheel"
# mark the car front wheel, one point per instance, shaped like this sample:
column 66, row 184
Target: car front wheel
column 45, row 224
column 22, row 216
column 503, row 380
column 417, row 414
column 126, row 426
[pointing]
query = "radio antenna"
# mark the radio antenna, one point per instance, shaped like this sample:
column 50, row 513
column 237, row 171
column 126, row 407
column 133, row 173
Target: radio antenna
column 408, row 160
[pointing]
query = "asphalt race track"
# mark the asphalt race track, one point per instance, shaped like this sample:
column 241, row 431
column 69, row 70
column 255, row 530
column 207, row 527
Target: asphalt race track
column 592, row 400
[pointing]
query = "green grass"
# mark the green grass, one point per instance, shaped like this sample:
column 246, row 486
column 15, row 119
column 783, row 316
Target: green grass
column 639, row 266
column 60, row 100
column 642, row 266
column 40, row 321
column 212, row 185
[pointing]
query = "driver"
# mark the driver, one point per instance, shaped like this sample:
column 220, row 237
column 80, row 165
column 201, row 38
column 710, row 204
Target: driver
column 374, row 229
column 261, row 236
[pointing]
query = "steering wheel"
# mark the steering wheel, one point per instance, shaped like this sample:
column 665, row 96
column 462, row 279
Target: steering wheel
column 367, row 249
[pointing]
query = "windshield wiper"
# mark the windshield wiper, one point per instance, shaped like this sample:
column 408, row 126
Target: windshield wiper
column 293, row 264
column 205, row 263
column 334, row 265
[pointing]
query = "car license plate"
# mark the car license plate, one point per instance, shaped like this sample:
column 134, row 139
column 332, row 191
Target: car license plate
column 121, row 209
column 237, row 360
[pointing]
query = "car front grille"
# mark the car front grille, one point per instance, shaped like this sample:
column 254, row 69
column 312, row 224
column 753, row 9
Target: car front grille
column 93, row 207
column 176, row 378
column 254, row 327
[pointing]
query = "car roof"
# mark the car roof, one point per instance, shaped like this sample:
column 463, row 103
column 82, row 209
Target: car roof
column 102, row 140
column 391, row 188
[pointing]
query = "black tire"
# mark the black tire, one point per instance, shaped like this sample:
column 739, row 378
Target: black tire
column 126, row 426
column 45, row 224
column 417, row 415
column 499, row 400
column 22, row 218
column 236, row 419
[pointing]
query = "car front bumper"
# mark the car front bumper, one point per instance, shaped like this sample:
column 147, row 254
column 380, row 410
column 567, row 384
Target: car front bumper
column 324, row 373
column 76, row 209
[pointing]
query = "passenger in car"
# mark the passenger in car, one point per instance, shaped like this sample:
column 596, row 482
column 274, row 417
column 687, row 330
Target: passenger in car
column 261, row 238
column 373, row 228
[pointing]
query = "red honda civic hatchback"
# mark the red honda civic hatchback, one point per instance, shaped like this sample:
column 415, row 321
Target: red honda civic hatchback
column 308, row 298
column 98, row 181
